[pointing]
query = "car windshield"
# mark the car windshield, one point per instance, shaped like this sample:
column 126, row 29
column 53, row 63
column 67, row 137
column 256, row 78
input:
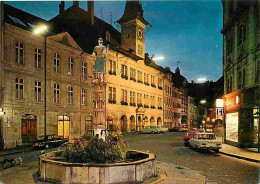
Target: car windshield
column 206, row 136
column 41, row 138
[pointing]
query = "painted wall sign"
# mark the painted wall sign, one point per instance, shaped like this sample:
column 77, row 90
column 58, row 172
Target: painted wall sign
column 232, row 126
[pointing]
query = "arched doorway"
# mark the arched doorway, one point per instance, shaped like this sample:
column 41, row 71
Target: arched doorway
column 159, row 121
column 145, row 122
column 132, row 123
column 123, row 123
column 64, row 126
column 110, row 122
column 28, row 125
column 152, row 121
column 139, row 125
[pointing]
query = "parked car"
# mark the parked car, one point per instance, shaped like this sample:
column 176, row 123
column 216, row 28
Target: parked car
column 183, row 128
column 174, row 129
column 49, row 141
column 205, row 141
column 189, row 134
column 150, row 129
column 162, row 129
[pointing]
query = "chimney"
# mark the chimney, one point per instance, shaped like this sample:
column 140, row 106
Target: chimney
column 61, row 7
column 91, row 11
column 76, row 3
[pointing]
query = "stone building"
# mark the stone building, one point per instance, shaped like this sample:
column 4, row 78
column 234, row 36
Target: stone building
column 241, row 67
column 22, row 81
column 135, row 90
column 181, row 83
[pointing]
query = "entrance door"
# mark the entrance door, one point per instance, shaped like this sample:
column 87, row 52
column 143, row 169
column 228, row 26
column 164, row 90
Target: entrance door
column 64, row 126
column 28, row 130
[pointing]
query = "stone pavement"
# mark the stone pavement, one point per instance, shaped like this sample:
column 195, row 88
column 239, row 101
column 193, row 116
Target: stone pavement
column 175, row 174
column 16, row 150
column 246, row 154
column 27, row 173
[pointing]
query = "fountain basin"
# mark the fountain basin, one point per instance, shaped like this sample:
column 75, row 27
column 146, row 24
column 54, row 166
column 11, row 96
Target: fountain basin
column 53, row 169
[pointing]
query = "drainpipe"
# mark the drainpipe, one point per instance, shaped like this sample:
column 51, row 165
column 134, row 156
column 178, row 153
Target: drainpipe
column 163, row 100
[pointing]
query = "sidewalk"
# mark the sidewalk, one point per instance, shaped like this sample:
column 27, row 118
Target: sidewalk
column 175, row 174
column 246, row 154
column 16, row 150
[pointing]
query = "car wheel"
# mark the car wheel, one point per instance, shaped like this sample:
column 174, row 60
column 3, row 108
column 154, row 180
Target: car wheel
column 216, row 151
column 140, row 132
column 47, row 146
column 152, row 132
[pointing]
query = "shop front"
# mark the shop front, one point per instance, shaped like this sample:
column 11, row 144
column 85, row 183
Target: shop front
column 241, row 116
column 231, row 118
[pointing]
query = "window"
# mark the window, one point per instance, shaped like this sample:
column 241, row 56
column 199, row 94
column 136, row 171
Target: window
column 229, row 85
column 38, row 57
column 56, row 62
column 133, row 74
column 84, row 70
column 83, row 96
column 19, row 85
column 241, row 78
column 152, row 79
column 112, row 95
column 112, row 67
column 70, row 66
column 229, row 43
column 146, row 78
column 19, row 52
column 123, row 95
column 56, row 92
column 70, row 95
column 160, row 83
column 146, row 99
column 241, row 32
column 140, row 76
column 140, row 49
column 123, row 70
column 139, row 101
column 38, row 91
column 132, row 98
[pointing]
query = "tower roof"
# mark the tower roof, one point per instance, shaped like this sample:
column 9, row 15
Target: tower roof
column 133, row 10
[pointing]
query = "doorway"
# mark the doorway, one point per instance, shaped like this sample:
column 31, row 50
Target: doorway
column 28, row 128
column 64, row 126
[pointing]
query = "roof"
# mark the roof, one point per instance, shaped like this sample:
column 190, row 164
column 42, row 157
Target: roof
column 22, row 19
column 133, row 10
column 85, row 34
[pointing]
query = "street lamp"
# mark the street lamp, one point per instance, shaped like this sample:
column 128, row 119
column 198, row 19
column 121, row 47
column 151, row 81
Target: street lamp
column 41, row 30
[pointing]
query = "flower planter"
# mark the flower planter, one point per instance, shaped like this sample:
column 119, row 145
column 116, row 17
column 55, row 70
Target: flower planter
column 141, row 168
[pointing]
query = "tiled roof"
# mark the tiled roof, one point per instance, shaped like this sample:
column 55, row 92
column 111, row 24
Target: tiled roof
column 76, row 22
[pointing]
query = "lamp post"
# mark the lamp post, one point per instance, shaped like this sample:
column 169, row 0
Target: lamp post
column 38, row 31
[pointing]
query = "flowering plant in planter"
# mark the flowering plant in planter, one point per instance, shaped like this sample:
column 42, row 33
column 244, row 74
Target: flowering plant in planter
column 91, row 149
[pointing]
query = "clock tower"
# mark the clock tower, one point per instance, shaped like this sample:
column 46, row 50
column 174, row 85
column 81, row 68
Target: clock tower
column 133, row 28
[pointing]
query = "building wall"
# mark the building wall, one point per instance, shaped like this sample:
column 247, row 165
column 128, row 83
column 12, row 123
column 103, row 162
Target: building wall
column 245, row 56
column 16, row 108
column 116, row 111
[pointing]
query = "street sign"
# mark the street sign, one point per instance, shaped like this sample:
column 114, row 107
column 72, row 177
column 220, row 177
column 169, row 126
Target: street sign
column 219, row 113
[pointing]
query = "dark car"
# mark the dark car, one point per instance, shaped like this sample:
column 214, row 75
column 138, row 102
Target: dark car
column 174, row 129
column 48, row 141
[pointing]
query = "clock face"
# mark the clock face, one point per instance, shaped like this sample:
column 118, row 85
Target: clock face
column 140, row 33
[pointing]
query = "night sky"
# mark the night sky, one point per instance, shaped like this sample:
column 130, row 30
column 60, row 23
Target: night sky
column 185, row 31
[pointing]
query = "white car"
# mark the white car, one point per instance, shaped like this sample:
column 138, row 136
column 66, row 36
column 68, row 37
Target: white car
column 206, row 141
